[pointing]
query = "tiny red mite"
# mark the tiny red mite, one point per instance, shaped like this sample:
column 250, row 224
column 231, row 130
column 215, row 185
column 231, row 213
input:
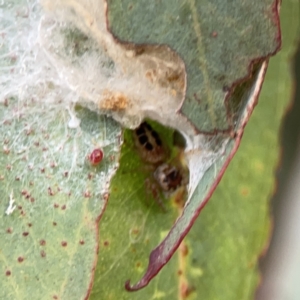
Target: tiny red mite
column 96, row 157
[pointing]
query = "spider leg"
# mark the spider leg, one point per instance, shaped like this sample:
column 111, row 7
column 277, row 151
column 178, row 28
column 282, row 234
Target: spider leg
column 153, row 190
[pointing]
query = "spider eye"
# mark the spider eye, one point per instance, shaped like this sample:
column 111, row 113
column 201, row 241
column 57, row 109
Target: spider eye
column 140, row 131
column 143, row 139
column 147, row 125
column 149, row 147
column 96, row 157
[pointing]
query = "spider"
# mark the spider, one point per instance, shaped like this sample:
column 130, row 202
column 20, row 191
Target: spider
column 166, row 176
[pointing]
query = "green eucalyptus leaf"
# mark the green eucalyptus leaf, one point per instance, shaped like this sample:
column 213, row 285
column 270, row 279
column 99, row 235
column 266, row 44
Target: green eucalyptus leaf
column 218, row 258
column 225, row 62
column 194, row 66
column 53, row 186
column 52, row 196
column 217, row 41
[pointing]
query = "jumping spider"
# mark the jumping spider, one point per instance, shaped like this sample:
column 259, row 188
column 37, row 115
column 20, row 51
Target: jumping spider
column 166, row 176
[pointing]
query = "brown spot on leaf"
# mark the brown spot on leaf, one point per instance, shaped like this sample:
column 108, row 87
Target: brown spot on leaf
column 50, row 192
column 29, row 224
column 6, row 150
column 42, row 242
column 25, row 233
column 87, row 194
column 66, row 173
column 9, row 230
column 135, row 231
column 106, row 243
column 42, row 170
column 63, row 207
column 8, row 167
column 184, row 249
column 179, row 272
column 245, row 191
column 56, row 205
column 81, row 242
column 8, row 273
column 186, row 290
column 32, row 199
column 43, row 253
column 54, row 223
column 20, row 259
column 24, row 192
column 52, row 164
column 64, row 243
column 214, row 34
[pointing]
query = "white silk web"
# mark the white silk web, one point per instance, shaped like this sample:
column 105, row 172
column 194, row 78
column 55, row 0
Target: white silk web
column 60, row 53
